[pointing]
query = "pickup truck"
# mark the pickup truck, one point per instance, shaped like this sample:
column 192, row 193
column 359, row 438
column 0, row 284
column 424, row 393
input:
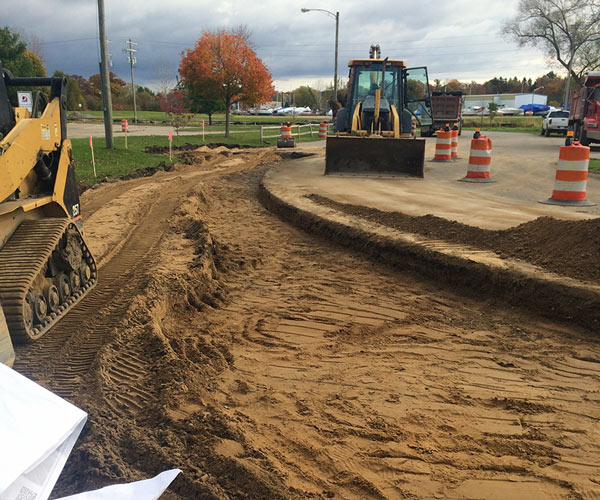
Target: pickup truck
column 555, row 122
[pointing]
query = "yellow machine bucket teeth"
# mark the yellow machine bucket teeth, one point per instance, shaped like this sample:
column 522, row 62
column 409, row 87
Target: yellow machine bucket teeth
column 374, row 156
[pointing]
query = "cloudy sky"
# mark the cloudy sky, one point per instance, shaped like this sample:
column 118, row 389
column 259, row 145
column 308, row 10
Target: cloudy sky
column 458, row 39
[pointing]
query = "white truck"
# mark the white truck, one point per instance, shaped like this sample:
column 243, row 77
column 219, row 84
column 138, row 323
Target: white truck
column 555, row 122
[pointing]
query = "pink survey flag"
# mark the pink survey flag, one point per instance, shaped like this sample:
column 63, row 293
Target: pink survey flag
column 170, row 135
column 91, row 145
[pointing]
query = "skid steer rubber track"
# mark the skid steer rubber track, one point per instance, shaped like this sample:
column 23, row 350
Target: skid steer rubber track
column 387, row 156
column 23, row 259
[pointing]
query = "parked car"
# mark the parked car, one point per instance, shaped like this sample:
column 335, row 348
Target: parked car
column 555, row 122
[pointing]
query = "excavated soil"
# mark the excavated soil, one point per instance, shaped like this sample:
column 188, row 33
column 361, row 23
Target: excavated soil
column 570, row 248
column 267, row 363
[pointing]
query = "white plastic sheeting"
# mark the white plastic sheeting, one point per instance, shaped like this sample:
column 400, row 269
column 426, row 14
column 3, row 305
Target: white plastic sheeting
column 38, row 430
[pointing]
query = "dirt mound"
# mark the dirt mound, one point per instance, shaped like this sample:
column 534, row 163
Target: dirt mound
column 190, row 147
column 569, row 248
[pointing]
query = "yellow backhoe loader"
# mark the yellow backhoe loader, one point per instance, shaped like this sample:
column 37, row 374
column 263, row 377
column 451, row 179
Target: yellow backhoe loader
column 45, row 265
column 374, row 133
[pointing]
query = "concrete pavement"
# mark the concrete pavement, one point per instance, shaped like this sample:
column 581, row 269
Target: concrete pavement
column 523, row 167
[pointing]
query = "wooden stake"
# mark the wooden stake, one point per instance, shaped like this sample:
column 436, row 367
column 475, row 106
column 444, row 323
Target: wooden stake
column 93, row 160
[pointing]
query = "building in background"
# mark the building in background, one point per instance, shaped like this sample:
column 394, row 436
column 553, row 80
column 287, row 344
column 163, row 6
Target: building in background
column 504, row 101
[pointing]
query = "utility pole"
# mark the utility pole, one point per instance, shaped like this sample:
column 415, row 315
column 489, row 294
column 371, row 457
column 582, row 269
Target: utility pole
column 335, row 77
column 105, row 77
column 130, row 54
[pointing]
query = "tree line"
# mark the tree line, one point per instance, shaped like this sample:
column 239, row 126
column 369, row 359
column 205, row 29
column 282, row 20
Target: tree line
column 550, row 84
column 222, row 68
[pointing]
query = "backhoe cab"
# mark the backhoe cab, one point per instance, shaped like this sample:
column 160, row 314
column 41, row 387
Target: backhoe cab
column 374, row 131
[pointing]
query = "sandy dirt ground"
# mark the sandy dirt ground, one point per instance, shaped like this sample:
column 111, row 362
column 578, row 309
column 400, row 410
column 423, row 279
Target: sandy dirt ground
column 268, row 363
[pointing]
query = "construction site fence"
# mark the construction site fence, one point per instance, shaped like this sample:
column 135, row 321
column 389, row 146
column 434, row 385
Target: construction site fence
column 310, row 129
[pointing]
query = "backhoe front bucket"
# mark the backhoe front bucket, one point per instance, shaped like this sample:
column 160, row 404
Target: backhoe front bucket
column 374, row 156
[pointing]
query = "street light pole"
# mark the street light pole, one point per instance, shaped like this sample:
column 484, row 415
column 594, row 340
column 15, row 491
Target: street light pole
column 533, row 96
column 335, row 16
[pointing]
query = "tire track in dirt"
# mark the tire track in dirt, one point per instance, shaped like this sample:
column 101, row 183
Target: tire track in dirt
column 62, row 358
column 64, row 355
column 360, row 382
column 326, row 375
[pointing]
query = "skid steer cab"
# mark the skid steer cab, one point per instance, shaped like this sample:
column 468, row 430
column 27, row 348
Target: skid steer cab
column 374, row 130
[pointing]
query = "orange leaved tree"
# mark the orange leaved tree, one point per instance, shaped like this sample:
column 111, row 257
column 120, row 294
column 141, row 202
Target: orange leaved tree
column 222, row 64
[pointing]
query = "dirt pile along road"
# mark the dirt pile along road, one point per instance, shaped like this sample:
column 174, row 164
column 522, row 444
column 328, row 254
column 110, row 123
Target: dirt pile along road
column 561, row 246
column 267, row 363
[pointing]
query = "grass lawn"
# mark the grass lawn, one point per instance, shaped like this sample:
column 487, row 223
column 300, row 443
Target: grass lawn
column 119, row 162
column 523, row 124
column 595, row 165
column 522, row 130
column 218, row 119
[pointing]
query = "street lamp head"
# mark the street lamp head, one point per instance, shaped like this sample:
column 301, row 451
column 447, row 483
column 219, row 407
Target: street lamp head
column 304, row 11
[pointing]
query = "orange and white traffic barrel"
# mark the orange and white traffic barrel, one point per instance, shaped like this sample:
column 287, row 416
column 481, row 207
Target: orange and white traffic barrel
column 443, row 145
column 571, row 176
column 286, row 132
column 414, row 128
column 286, row 140
column 480, row 159
column 124, row 126
column 454, row 149
column 323, row 130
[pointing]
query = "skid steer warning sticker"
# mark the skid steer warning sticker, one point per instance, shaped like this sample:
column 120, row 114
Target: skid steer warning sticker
column 45, row 132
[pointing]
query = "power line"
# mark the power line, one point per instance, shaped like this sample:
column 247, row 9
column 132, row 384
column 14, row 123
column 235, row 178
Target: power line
column 54, row 42
column 478, row 53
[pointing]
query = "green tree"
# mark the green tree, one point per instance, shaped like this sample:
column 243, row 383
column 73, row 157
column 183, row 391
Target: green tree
column 15, row 56
column 305, row 96
column 567, row 30
column 205, row 103
column 493, row 109
column 146, row 99
column 118, row 90
column 74, row 95
column 36, row 63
